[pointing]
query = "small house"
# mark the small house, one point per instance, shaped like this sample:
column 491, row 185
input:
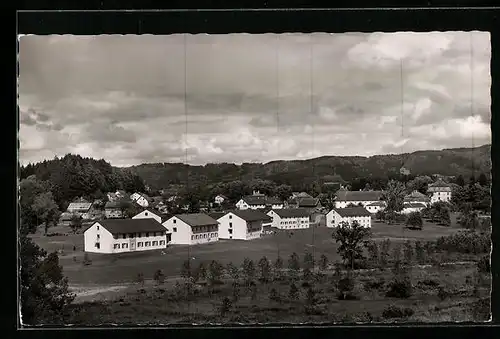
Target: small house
column 348, row 214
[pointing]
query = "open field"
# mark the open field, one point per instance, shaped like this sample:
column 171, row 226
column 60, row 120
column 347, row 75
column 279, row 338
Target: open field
column 115, row 269
column 438, row 294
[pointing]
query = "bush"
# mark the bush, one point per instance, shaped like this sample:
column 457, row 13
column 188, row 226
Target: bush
column 469, row 242
column 484, row 265
column 400, row 288
column 414, row 221
column 375, row 285
column 345, row 286
column 429, row 283
column 393, row 311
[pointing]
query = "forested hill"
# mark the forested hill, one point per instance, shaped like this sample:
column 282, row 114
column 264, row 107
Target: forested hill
column 451, row 162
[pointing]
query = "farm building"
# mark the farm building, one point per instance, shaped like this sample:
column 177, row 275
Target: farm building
column 343, row 198
column 311, row 204
column 258, row 202
column 290, row 218
column 374, row 207
column 190, row 229
column 147, row 214
column 113, row 210
column 412, row 207
column 416, row 197
column 219, row 199
column 79, row 208
column 349, row 214
column 125, row 235
column 65, row 218
column 115, row 196
column 241, row 224
column 140, row 199
column 439, row 191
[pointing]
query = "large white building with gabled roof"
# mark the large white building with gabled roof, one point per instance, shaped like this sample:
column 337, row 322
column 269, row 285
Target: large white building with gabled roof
column 191, row 229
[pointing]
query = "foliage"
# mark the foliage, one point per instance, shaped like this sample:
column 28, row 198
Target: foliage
column 214, row 274
column 400, row 287
column 323, row 262
column 408, row 252
column 484, row 265
column 46, row 210
column 414, row 220
column 293, row 263
column 159, row 277
column 380, row 215
column 392, row 311
column 465, row 242
column 394, row 196
column 236, row 291
column 265, row 269
column 76, row 223
column 200, row 273
column 140, row 278
column 308, row 260
column 233, row 271
column 278, row 268
column 248, row 269
column 186, row 269
column 345, row 287
column 440, row 213
column 45, row 296
column 384, row 252
column 274, row 295
column 350, row 238
column 420, row 253
column 293, row 293
column 225, row 306
column 373, row 252
column 420, row 184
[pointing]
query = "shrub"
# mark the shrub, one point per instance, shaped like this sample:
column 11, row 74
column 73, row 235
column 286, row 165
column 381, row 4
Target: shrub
column 469, row 242
column 384, row 252
column 408, row 252
column 400, row 288
column 323, row 262
column 414, row 221
column 375, row 285
column 483, row 265
column 429, row 283
column 225, row 306
column 393, row 311
column 420, row 253
column 293, row 293
column 345, row 286
column 159, row 277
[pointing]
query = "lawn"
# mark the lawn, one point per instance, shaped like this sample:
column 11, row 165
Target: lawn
column 123, row 268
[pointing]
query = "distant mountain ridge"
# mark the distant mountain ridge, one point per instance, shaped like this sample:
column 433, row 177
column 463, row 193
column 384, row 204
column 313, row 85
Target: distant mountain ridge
column 450, row 162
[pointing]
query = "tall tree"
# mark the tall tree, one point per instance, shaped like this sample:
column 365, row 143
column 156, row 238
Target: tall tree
column 394, row 196
column 350, row 237
column 76, row 223
column 460, row 181
column 283, row 192
column 46, row 210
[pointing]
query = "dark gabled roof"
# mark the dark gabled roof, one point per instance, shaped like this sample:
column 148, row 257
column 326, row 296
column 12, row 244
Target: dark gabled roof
column 273, row 201
column 116, row 226
column 112, row 204
column 378, row 203
column 343, row 195
column 416, row 196
column 414, row 205
column 165, row 216
column 261, row 200
column 197, row 219
column 216, row 215
column 291, row 212
column 250, row 215
column 265, row 210
column 352, row 212
column 307, row 202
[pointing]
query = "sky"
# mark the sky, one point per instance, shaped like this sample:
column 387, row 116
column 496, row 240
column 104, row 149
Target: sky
column 237, row 98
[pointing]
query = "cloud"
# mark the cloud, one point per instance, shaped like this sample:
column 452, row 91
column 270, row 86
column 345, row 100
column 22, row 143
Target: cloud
column 241, row 97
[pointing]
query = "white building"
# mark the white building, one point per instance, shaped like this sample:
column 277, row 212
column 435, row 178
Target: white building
column 190, row 229
column 113, row 210
column 374, row 207
column 241, row 224
column 140, row 199
column 348, row 214
column 114, row 196
column 416, row 197
column 79, row 208
column 219, row 199
column 412, row 207
column 125, row 235
column 290, row 218
column 147, row 214
column 439, row 191
column 258, row 202
column 343, row 198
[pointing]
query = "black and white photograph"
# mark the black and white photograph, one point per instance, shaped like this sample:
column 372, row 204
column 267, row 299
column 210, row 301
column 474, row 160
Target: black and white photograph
column 221, row 179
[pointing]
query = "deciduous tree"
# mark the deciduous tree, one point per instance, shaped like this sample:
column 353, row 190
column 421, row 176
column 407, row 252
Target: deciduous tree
column 350, row 237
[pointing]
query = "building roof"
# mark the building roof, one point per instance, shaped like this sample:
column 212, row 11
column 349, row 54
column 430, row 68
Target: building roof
column 378, row 203
column 250, row 215
column 66, row 216
column 147, row 210
column 80, row 205
column 352, row 212
column 261, row 200
column 116, row 226
column 307, row 202
column 301, row 195
column 343, row 195
column 197, row 219
column 439, row 186
column 216, row 215
column 221, row 195
column 416, row 195
column 112, row 204
column 273, row 201
column 292, row 212
column 414, row 205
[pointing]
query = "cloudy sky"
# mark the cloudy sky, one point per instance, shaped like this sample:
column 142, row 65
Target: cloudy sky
column 249, row 97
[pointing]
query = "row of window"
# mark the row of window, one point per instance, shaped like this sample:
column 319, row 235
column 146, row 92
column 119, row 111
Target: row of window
column 203, row 236
column 293, row 222
column 140, row 244
column 299, row 226
column 138, row 235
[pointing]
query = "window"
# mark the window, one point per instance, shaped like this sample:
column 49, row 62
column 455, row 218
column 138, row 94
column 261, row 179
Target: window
column 124, row 245
column 131, row 235
column 230, row 224
column 230, row 216
column 174, row 221
column 175, row 229
column 115, row 236
column 124, row 236
column 97, row 245
column 230, row 231
column 97, row 227
column 192, row 237
column 115, row 246
column 147, row 243
column 147, row 234
column 162, row 242
column 146, row 214
column 98, row 236
column 140, row 244
column 155, row 243
column 205, row 235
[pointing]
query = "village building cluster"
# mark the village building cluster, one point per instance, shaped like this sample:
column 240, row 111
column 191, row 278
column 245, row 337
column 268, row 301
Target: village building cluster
column 250, row 218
